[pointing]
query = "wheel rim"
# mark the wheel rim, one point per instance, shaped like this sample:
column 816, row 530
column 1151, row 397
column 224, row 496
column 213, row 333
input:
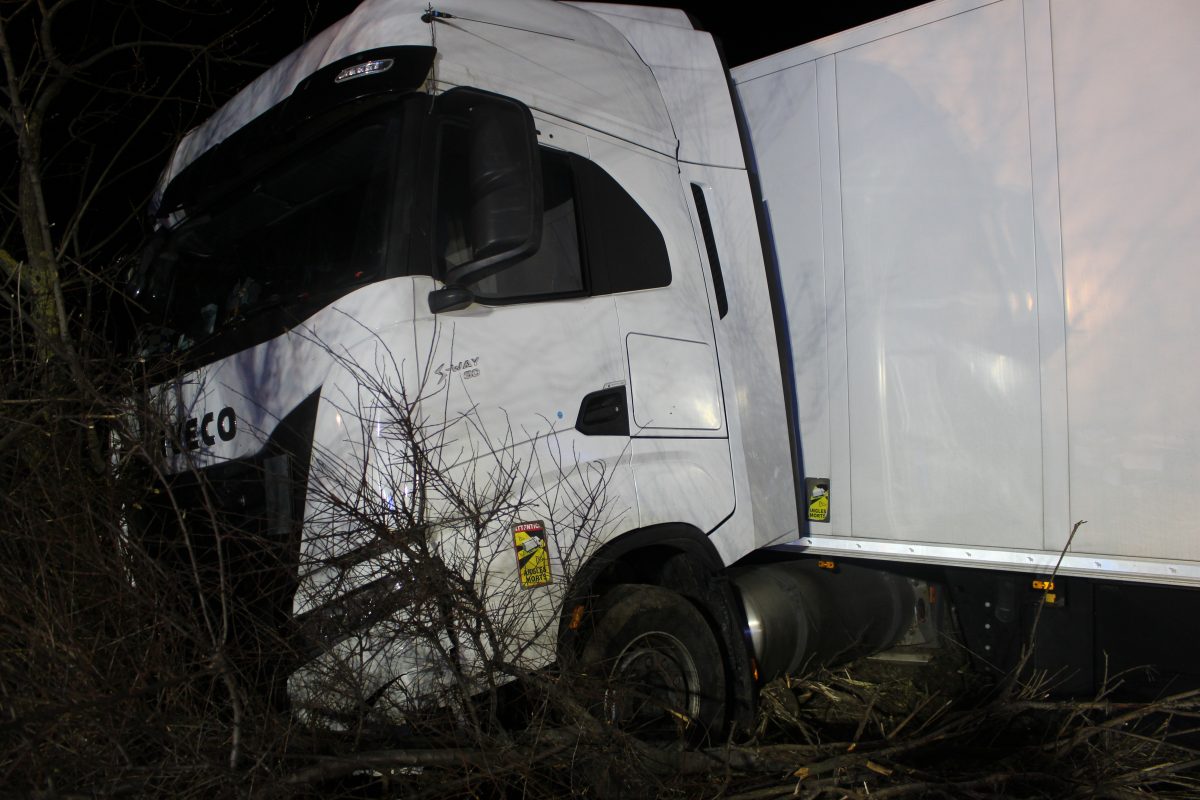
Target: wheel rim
column 656, row 686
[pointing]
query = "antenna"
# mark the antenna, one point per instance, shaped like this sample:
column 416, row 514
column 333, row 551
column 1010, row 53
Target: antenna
column 432, row 15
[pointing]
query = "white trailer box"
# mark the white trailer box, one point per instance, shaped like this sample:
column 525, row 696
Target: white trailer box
column 986, row 222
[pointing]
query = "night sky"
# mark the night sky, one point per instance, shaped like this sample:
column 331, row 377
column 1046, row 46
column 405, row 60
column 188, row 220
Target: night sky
column 749, row 31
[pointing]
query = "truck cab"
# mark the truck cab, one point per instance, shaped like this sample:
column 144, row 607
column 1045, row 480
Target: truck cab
column 455, row 287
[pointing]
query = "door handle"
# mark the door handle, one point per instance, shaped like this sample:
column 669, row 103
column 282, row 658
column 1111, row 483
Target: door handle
column 604, row 413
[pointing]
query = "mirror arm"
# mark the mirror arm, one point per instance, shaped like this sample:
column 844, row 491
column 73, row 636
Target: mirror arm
column 450, row 298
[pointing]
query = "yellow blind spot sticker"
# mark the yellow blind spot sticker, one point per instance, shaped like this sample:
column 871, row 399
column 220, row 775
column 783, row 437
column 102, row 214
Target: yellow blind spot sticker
column 533, row 554
column 818, row 504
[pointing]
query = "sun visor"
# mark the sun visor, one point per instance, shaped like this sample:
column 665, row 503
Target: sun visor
column 356, row 79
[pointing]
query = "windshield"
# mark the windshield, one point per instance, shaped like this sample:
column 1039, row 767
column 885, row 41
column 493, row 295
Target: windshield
column 304, row 231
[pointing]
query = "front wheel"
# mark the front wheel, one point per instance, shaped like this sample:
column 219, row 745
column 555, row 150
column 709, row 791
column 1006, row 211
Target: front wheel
column 664, row 675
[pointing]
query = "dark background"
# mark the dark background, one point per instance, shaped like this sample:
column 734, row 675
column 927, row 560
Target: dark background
column 749, row 31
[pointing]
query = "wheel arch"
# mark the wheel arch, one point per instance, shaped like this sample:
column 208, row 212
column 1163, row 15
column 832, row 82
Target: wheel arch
column 681, row 558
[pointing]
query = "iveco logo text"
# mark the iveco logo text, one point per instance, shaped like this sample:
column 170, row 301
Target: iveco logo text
column 195, row 432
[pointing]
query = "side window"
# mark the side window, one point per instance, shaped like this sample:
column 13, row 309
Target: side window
column 555, row 269
column 596, row 239
column 625, row 249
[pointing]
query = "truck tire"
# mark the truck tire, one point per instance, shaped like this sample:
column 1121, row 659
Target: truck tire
column 664, row 677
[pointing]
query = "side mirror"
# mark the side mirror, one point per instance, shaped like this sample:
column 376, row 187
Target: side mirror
column 489, row 187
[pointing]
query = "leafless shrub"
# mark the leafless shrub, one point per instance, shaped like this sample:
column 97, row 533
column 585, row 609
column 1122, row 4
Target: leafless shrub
column 409, row 564
column 875, row 730
column 139, row 661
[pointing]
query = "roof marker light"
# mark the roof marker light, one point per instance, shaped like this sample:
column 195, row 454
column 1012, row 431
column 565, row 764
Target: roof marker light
column 366, row 68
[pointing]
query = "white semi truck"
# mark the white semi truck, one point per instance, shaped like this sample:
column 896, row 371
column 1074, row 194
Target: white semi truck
column 760, row 357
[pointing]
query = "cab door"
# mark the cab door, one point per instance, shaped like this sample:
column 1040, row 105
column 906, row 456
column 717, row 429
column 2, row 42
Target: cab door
column 530, row 377
column 600, row 345
column 680, row 439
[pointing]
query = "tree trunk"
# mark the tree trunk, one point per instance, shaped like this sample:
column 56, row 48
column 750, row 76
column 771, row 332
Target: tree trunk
column 39, row 275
